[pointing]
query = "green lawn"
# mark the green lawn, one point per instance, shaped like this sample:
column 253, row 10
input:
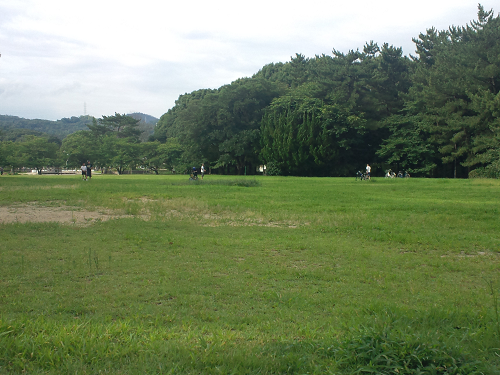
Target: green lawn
column 251, row 275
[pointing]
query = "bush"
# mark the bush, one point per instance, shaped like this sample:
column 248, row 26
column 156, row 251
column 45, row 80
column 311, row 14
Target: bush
column 490, row 171
column 273, row 169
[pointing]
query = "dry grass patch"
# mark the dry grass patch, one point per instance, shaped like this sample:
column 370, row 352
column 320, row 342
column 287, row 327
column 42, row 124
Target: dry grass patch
column 36, row 213
column 37, row 187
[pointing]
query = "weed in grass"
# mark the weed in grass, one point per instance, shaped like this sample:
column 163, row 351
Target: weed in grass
column 494, row 297
column 96, row 261
column 90, row 259
column 220, row 182
column 388, row 353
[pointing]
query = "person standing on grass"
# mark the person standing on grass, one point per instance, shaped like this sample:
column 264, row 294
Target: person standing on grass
column 89, row 170
column 368, row 171
column 202, row 170
column 84, row 172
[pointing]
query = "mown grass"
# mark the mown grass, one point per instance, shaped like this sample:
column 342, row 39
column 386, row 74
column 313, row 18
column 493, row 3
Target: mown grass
column 252, row 275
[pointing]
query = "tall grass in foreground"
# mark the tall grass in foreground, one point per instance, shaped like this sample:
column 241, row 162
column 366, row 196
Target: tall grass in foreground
column 286, row 275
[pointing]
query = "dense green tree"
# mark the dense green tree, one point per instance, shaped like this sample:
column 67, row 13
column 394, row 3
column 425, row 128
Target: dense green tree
column 354, row 94
column 123, row 126
column 32, row 152
column 3, row 153
column 407, row 148
column 304, row 136
column 150, row 156
column 77, row 148
column 486, row 145
column 39, row 152
column 12, row 155
column 112, row 142
column 125, row 155
column 220, row 127
column 240, row 107
column 156, row 155
column 457, row 76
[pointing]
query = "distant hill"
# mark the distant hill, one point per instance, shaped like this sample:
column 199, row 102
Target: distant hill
column 147, row 119
column 147, row 124
column 13, row 127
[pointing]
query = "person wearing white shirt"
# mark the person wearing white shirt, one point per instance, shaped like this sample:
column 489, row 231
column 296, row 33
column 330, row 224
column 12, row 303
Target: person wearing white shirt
column 84, row 171
column 202, row 170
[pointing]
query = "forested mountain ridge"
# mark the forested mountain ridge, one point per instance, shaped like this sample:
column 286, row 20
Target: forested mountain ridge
column 433, row 114
column 147, row 124
column 60, row 128
column 13, row 127
column 142, row 117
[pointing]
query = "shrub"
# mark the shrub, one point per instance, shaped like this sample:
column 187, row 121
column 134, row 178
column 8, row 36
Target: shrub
column 273, row 169
column 490, row 171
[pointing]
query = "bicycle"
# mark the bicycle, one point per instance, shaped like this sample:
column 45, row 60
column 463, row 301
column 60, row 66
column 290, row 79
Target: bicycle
column 361, row 176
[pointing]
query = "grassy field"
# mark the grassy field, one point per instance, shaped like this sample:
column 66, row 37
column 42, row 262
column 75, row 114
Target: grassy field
column 244, row 275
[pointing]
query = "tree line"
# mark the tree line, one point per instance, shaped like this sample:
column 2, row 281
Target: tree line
column 109, row 142
column 434, row 114
column 119, row 142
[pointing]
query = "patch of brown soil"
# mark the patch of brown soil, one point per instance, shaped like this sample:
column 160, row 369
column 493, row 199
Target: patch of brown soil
column 66, row 215
column 34, row 212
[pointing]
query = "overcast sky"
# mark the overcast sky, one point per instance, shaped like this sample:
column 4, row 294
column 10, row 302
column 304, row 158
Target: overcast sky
column 60, row 58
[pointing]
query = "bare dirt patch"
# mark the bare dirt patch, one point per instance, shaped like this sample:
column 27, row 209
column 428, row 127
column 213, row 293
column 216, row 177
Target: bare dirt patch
column 40, row 214
column 143, row 208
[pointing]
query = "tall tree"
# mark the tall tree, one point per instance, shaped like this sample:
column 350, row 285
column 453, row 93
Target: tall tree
column 456, row 68
column 301, row 135
column 220, row 127
column 124, row 126
column 79, row 147
column 35, row 152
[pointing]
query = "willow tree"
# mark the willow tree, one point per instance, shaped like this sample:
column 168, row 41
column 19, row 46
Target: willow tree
column 301, row 135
